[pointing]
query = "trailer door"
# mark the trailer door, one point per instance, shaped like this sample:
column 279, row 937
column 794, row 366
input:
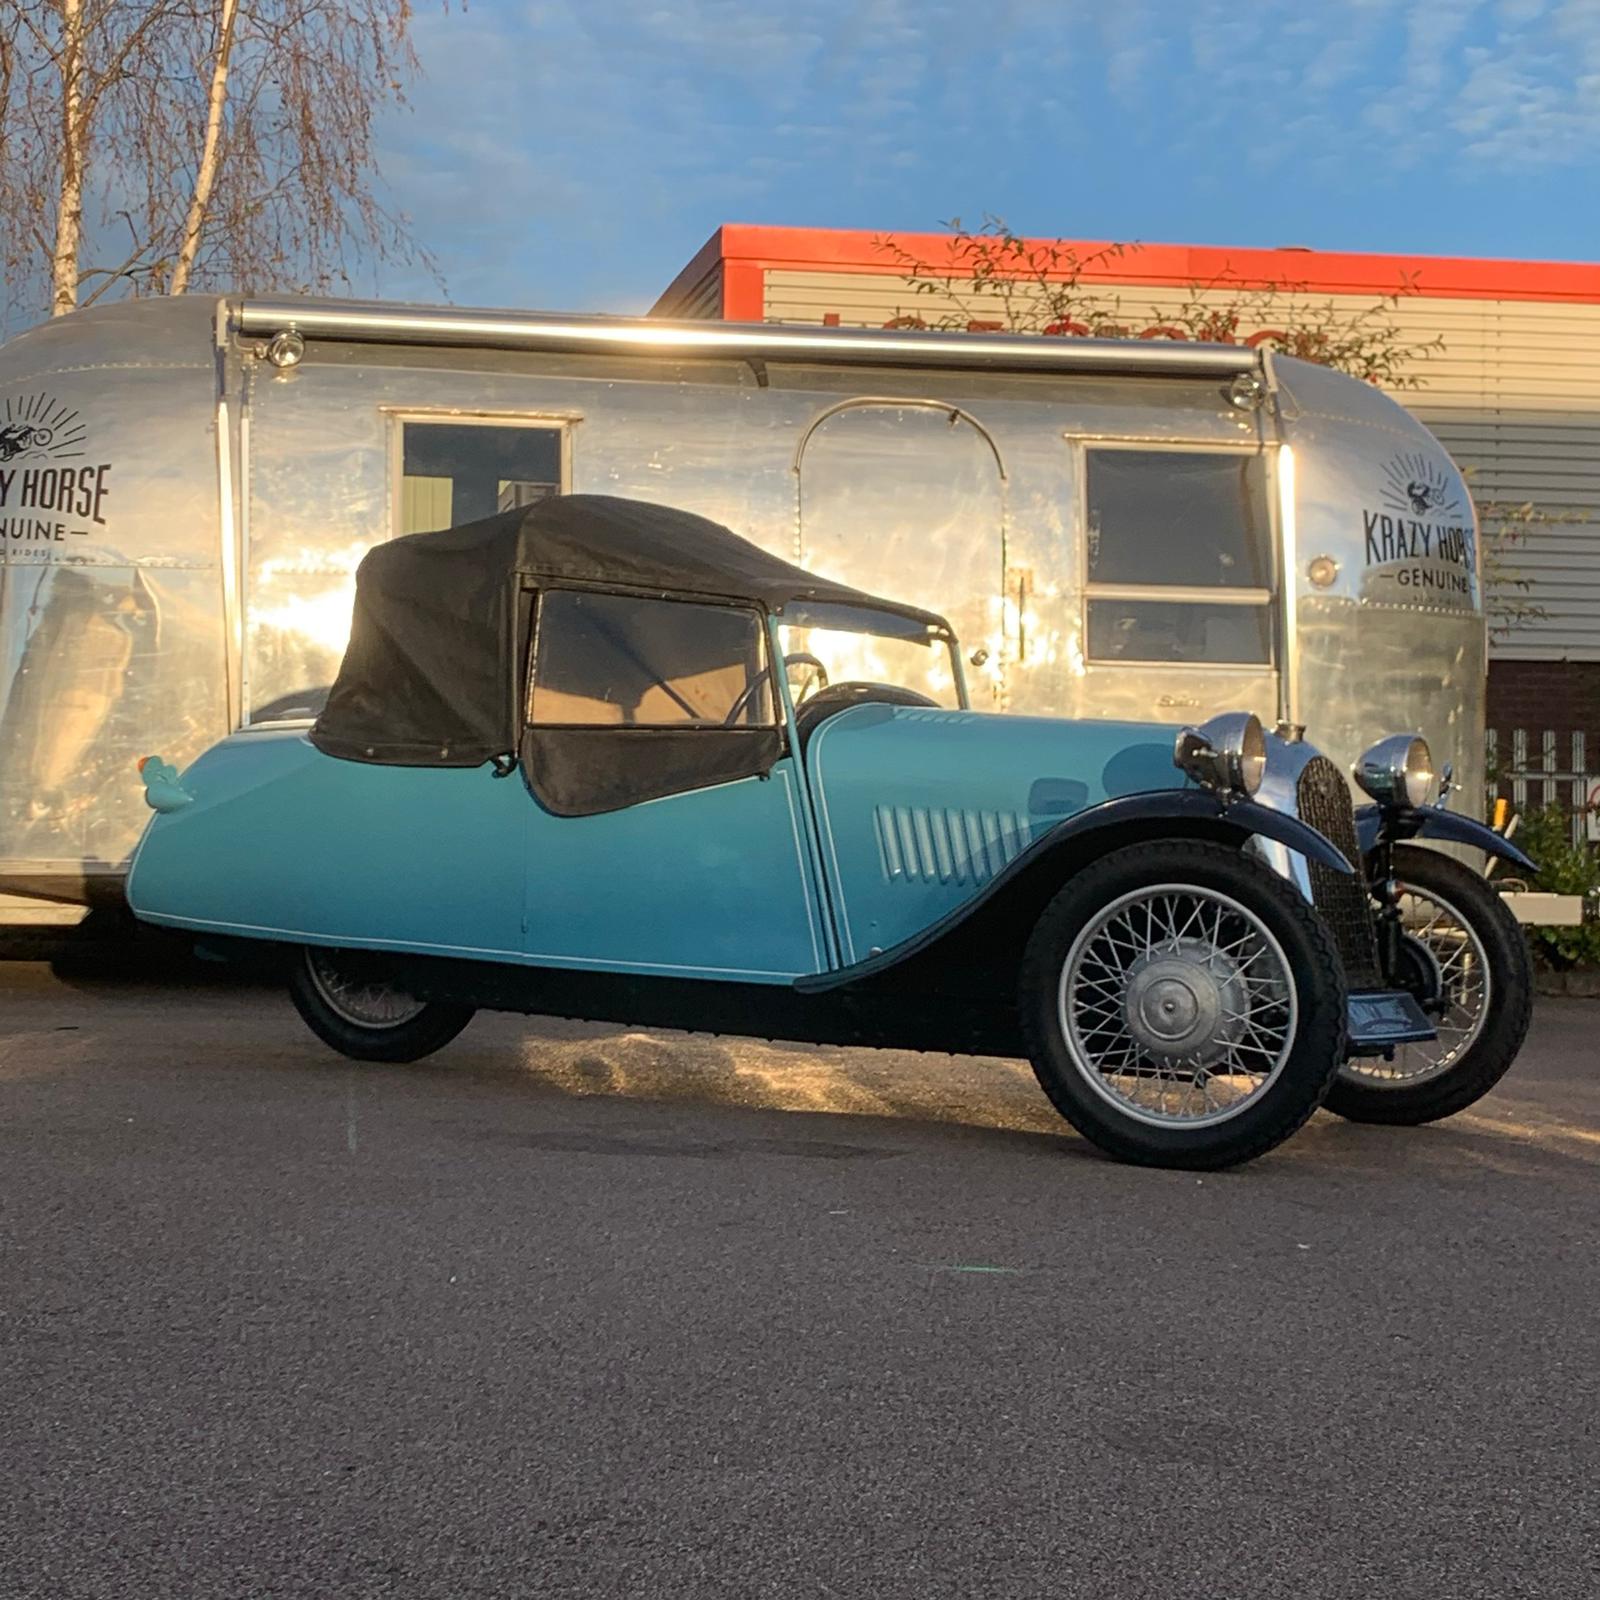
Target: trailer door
column 906, row 498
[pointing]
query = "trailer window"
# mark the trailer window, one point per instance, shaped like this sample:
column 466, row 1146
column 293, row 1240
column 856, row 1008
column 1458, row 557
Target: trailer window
column 1154, row 630
column 1179, row 561
column 455, row 472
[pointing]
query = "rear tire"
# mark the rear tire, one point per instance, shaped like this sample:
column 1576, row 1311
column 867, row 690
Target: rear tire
column 345, row 1000
column 1480, row 950
column 1182, row 971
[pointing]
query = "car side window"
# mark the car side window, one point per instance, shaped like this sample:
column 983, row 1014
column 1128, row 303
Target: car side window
column 1179, row 557
column 626, row 661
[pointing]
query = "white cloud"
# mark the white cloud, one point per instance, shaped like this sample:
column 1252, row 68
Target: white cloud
column 1500, row 84
column 1531, row 98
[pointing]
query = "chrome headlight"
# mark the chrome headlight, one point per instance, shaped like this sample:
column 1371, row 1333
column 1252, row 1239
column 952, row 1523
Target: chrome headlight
column 1228, row 753
column 1398, row 771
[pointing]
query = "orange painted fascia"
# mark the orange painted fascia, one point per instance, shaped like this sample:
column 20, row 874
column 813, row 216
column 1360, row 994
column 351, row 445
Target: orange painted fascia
column 751, row 249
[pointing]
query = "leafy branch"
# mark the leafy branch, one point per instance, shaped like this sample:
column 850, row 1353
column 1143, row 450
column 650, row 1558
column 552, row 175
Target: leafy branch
column 995, row 279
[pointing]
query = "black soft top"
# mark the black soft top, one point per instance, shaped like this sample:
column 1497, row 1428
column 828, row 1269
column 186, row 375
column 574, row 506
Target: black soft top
column 603, row 540
column 439, row 633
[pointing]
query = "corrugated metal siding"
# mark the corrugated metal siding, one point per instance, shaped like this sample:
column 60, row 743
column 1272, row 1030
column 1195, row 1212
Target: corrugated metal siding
column 702, row 303
column 1514, row 395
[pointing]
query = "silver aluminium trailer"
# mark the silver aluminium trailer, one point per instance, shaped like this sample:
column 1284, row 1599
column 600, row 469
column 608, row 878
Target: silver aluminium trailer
column 1140, row 529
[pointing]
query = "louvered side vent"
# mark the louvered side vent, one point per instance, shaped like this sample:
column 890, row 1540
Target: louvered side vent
column 926, row 844
column 1324, row 801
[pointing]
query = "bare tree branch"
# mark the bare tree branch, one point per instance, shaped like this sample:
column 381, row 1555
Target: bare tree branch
column 235, row 136
column 69, row 201
column 206, row 175
column 113, row 274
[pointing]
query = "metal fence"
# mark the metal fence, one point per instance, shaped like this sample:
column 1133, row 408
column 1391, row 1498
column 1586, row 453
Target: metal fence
column 1535, row 769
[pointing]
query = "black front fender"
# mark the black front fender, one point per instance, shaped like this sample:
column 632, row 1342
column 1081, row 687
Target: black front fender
column 1193, row 812
column 1290, row 831
column 1429, row 822
column 1184, row 805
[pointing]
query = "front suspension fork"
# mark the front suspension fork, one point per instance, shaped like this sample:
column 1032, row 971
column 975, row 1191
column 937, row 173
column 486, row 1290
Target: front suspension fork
column 1385, row 891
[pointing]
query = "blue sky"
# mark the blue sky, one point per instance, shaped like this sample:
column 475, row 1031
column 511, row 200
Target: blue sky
column 575, row 153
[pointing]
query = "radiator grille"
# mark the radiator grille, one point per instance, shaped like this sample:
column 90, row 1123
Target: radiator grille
column 1324, row 802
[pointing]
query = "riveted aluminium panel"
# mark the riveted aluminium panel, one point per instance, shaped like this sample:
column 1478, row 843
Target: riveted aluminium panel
column 112, row 576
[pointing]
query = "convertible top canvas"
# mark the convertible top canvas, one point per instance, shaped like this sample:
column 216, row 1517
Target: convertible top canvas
column 431, row 676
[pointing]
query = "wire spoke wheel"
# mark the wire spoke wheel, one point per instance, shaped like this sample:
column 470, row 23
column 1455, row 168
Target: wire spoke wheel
column 358, row 998
column 1178, row 1005
column 1466, row 959
column 1445, row 937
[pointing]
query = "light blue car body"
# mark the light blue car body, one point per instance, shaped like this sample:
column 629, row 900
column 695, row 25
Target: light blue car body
column 891, row 819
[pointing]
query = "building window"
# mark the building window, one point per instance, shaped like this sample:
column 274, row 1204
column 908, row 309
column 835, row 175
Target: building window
column 1179, row 564
column 455, row 472
column 619, row 661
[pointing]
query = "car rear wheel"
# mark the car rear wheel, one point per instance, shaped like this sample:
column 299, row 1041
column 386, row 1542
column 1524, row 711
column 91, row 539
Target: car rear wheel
column 1183, row 1006
column 1465, row 958
column 348, row 1003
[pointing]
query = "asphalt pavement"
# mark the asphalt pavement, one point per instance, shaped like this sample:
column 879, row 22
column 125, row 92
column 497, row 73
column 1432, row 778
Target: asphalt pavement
column 575, row 1311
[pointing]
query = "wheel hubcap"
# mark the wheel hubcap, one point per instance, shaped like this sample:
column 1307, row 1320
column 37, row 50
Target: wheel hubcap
column 1177, row 1004
column 358, row 998
column 1185, row 1004
column 1421, row 973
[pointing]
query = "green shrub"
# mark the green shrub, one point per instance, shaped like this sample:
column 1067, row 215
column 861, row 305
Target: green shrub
column 1564, row 868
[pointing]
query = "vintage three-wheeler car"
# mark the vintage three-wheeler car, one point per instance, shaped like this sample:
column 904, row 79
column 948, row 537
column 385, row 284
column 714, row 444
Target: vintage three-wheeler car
column 605, row 759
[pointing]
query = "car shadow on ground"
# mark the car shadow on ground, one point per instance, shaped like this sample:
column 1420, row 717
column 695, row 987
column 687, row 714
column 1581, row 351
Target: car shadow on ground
column 1545, row 1118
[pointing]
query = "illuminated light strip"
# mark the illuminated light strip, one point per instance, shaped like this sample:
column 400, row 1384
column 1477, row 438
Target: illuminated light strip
column 1289, row 543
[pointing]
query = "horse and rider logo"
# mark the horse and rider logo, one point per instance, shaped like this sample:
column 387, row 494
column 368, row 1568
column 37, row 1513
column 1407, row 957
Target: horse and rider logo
column 35, row 426
column 1416, row 486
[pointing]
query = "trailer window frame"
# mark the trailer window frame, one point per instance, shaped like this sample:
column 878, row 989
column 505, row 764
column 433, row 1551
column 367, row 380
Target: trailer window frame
column 1265, row 599
column 397, row 418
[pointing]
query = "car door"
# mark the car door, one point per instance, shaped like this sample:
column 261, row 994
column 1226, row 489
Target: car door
column 665, row 831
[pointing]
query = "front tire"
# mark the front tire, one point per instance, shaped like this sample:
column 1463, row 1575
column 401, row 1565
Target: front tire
column 345, row 1000
column 1480, row 965
column 1182, row 1005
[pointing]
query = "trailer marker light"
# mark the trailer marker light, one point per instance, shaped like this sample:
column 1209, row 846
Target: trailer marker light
column 1248, row 391
column 286, row 348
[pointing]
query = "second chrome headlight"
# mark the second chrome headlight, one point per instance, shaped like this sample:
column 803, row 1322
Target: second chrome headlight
column 1398, row 771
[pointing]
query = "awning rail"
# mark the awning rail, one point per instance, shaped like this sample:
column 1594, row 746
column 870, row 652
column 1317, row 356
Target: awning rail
column 370, row 322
